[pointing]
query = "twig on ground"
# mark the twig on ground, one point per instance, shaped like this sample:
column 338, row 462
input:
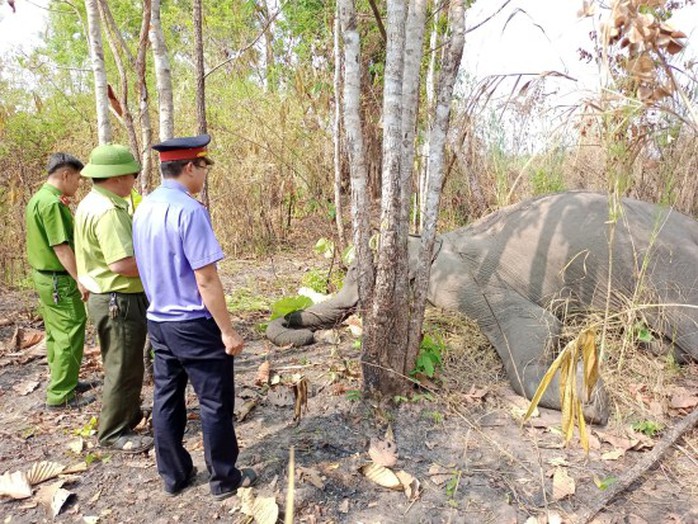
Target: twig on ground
column 634, row 473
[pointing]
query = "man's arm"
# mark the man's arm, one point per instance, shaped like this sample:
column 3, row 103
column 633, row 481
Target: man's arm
column 126, row 267
column 66, row 257
column 211, row 290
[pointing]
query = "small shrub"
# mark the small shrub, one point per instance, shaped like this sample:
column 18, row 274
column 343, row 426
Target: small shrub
column 429, row 358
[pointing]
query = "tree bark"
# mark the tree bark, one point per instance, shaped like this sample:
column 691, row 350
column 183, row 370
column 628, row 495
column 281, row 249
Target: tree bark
column 104, row 131
column 200, row 82
column 439, row 132
column 117, row 46
column 337, row 135
column 356, row 149
column 144, row 113
column 386, row 332
column 429, row 90
column 163, row 74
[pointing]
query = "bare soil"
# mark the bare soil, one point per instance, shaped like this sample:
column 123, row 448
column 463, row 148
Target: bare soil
column 462, row 440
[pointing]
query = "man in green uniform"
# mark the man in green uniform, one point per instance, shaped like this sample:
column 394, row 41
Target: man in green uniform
column 50, row 251
column 117, row 303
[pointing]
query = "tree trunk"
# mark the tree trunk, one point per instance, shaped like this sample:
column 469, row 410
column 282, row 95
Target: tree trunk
column 360, row 203
column 386, row 332
column 410, row 101
column 143, row 106
column 439, row 132
column 163, row 74
column 337, row 136
column 429, row 89
column 104, row 131
column 200, row 83
column 118, row 47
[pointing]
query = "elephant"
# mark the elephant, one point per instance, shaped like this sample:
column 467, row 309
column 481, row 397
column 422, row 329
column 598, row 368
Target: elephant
column 519, row 270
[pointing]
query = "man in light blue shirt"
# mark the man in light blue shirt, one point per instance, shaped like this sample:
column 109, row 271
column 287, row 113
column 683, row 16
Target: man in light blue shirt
column 188, row 322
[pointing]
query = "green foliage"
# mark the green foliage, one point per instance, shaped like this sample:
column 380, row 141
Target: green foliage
column 244, row 299
column 605, row 483
column 429, row 357
column 287, row 305
column 353, row 395
column 544, row 181
column 88, row 429
column 648, row 427
column 642, row 332
column 316, row 280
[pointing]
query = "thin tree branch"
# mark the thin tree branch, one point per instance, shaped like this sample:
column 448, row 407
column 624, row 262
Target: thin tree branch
column 379, row 21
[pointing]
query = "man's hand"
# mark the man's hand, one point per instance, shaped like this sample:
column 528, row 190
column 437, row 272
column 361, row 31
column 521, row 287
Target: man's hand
column 233, row 343
column 84, row 292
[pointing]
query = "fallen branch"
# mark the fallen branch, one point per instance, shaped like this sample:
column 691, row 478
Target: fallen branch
column 634, row 473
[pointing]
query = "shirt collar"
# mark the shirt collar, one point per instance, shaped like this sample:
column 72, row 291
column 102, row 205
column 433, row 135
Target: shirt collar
column 116, row 199
column 171, row 183
column 52, row 189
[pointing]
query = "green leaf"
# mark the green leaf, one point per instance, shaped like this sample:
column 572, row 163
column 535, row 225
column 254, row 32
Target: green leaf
column 287, row 305
column 324, row 247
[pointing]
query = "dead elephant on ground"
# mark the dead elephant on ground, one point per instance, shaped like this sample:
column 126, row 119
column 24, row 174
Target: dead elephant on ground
column 514, row 271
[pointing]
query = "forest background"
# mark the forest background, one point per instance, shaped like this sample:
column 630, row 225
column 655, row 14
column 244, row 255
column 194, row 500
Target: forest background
column 273, row 98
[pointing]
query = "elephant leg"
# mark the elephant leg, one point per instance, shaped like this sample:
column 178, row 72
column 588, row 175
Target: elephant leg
column 524, row 334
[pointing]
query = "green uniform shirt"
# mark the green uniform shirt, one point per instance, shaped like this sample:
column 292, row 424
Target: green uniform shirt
column 103, row 235
column 49, row 223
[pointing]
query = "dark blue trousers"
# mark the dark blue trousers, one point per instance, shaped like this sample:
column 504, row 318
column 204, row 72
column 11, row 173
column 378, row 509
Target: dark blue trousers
column 193, row 350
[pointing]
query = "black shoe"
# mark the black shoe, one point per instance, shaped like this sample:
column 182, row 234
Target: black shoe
column 84, row 387
column 76, row 402
column 185, row 484
column 249, row 479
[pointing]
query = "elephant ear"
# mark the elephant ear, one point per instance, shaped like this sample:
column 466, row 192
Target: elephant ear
column 414, row 248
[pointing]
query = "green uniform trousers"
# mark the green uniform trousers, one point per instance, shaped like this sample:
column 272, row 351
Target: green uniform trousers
column 121, row 330
column 64, row 319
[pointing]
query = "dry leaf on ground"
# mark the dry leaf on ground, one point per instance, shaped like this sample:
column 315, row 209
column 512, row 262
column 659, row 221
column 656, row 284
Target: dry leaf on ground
column 682, row 399
column 262, row 377
column 25, row 387
column 44, row 470
column 410, row 484
column 244, row 410
column 53, row 497
column 381, row 476
column 383, row 452
column 563, row 484
column 311, row 475
column 15, row 485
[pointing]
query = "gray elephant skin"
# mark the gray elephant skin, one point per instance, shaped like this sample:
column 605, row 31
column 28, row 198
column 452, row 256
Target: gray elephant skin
column 517, row 271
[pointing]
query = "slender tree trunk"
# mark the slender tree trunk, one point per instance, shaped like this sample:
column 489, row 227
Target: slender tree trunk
column 337, row 135
column 104, row 131
column 410, row 101
column 429, row 89
column 200, row 82
column 439, row 131
column 143, row 106
column 113, row 39
column 356, row 149
column 163, row 74
column 386, row 332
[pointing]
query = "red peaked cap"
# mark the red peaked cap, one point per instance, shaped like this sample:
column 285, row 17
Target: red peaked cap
column 184, row 148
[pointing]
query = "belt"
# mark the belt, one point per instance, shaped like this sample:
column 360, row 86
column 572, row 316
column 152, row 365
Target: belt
column 52, row 272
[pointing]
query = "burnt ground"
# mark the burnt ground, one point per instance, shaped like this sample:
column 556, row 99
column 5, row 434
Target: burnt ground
column 463, row 441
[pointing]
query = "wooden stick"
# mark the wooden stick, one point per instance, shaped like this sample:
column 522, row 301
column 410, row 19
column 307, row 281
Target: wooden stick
column 634, row 473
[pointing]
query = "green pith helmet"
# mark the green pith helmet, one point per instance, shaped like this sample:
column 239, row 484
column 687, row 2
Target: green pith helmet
column 109, row 161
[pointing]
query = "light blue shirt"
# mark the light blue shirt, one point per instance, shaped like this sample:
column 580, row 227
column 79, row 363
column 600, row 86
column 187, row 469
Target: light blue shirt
column 172, row 237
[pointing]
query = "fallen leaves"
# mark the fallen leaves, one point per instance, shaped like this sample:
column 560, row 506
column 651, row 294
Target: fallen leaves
column 563, row 484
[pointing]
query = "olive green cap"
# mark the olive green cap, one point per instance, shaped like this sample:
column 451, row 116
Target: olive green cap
column 110, row 160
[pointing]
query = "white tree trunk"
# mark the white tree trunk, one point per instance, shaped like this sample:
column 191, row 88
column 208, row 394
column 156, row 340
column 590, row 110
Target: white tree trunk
column 356, row 149
column 143, row 105
column 163, row 75
column 202, row 123
column 337, row 135
column 439, row 131
column 410, row 100
column 117, row 46
column 429, row 89
column 104, row 131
